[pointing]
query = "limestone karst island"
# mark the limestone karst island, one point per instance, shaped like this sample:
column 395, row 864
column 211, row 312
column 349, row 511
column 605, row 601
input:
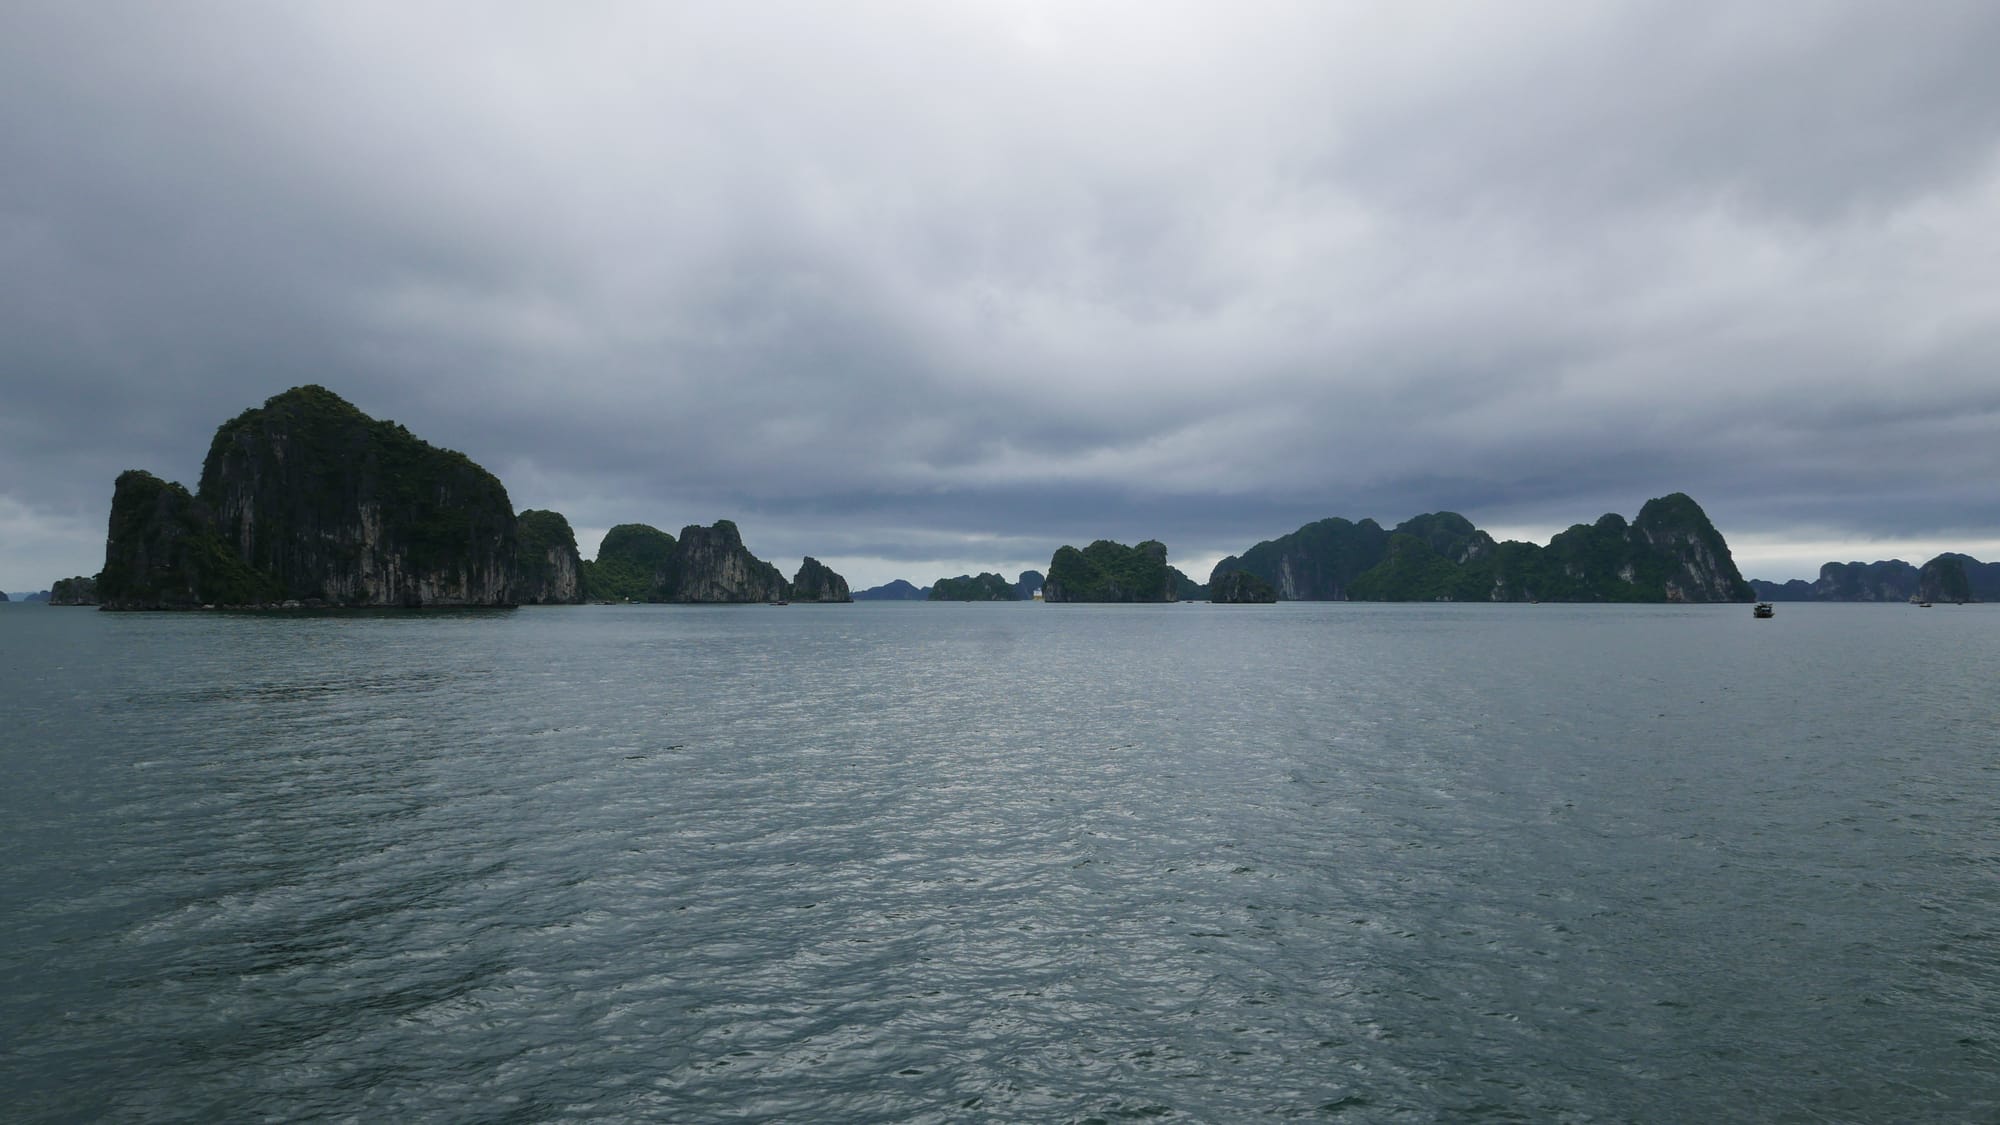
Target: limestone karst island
column 308, row 502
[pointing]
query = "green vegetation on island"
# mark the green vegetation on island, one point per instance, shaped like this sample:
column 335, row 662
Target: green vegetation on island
column 1671, row 552
column 1240, row 587
column 1111, row 572
column 1318, row 562
column 707, row 565
column 982, row 587
column 342, row 509
column 712, row 567
column 164, row 552
column 307, row 501
column 547, row 568
column 816, row 582
column 635, row 563
column 80, row 590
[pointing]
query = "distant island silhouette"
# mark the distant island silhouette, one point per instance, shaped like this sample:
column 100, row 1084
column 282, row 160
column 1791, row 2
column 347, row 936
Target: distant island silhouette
column 306, row 501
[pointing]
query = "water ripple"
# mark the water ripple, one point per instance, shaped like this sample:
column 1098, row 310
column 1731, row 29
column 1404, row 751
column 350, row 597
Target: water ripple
column 1001, row 863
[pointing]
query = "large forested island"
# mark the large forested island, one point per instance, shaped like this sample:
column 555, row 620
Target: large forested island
column 307, row 501
column 1949, row 577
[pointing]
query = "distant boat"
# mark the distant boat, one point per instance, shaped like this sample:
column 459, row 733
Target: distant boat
column 1763, row 610
column 779, row 601
column 1923, row 605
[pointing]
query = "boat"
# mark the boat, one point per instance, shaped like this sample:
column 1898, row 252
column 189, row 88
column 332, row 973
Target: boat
column 1763, row 610
column 779, row 601
column 1923, row 605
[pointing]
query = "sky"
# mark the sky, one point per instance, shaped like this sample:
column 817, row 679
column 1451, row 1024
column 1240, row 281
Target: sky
column 925, row 289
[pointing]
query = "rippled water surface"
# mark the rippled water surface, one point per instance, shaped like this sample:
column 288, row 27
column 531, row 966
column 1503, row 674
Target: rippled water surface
column 1002, row 862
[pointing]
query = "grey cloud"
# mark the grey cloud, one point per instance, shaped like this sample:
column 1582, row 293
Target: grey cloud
column 1036, row 273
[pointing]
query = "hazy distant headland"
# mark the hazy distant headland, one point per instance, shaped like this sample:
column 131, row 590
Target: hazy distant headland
column 1669, row 553
column 1949, row 577
column 306, row 501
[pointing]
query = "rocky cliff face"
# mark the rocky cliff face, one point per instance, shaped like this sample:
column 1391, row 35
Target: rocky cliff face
column 1885, row 580
column 307, row 499
column 1952, row 577
column 163, row 551
column 714, row 566
column 343, row 509
column 1240, row 587
column 1110, row 572
column 1699, row 565
column 1669, row 553
column 547, row 568
column 1948, row 577
column 1889, row 580
column 816, row 582
column 1318, row 562
column 74, row 591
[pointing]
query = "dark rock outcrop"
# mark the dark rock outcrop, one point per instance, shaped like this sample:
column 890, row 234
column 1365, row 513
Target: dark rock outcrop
column 714, row 567
column 74, row 591
column 1671, row 552
column 1943, row 579
column 3, row 596
column 547, row 568
column 1318, row 562
column 1240, row 587
column 1111, row 572
column 1886, row 580
column 1186, row 589
column 816, row 582
column 1796, row 590
column 164, row 551
column 893, row 591
column 1952, row 577
column 705, row 565
column 635, row 563
column 306, row 499
column 1028, row 585
column 343, row 509
column 983, row 587
column 1889, row 580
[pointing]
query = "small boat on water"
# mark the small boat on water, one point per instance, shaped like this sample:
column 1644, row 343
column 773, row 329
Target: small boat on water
column 779, row 601
column 1763, row 609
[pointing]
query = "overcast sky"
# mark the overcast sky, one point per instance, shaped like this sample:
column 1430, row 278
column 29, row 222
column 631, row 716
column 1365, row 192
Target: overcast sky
column 927, row 288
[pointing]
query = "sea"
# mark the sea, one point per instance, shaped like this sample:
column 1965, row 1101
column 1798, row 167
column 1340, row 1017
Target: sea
column 1002, row 862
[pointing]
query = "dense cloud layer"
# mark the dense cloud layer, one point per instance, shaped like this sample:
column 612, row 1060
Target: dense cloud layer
column 929, row 288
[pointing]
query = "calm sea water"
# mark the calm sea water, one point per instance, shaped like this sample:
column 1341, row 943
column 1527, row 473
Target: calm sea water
column 1002, row 862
